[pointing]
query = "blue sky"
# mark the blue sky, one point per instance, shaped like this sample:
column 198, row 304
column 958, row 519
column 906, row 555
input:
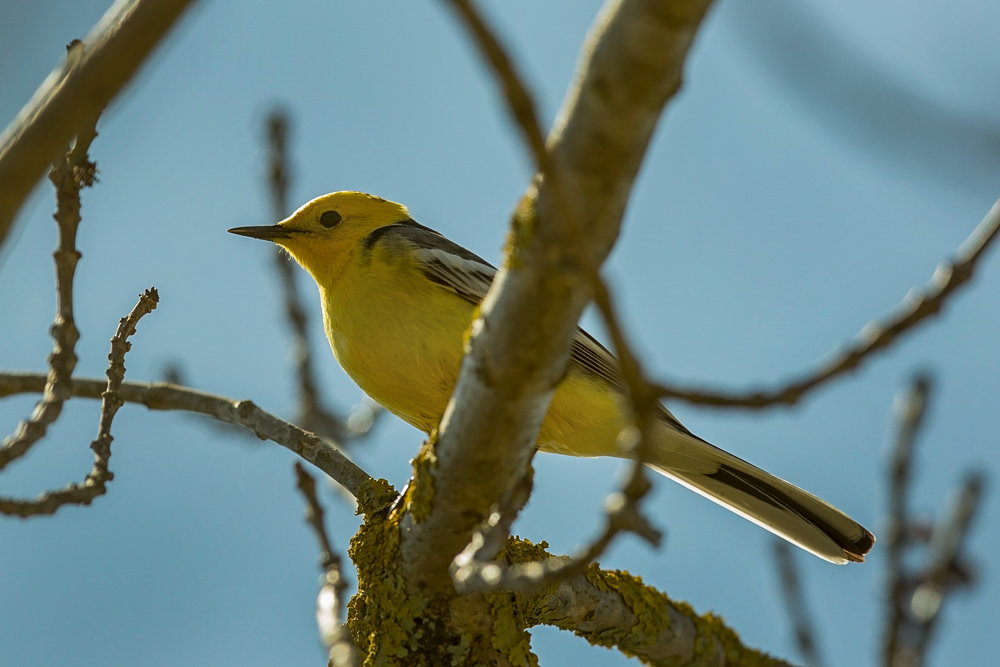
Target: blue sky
column 769, row 223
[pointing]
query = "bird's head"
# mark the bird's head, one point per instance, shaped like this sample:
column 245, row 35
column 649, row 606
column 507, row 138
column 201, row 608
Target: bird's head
column 323, row 233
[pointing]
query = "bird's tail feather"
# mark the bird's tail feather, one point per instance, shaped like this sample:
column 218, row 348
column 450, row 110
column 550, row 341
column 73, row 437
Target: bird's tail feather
column 770, row 502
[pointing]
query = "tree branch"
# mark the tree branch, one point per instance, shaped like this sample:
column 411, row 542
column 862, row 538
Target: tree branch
column 520, row 342
column 795, row 604
column 919, row 305
column 312, row 414
column 616, row 610
column 915, row 595
column 330, row 602
column 72, row 172
column 165, row 396
column 910, row 409
column 76, row 92
column 96, row 482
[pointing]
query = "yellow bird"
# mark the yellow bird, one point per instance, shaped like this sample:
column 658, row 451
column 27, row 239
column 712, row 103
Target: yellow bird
column 397, row 299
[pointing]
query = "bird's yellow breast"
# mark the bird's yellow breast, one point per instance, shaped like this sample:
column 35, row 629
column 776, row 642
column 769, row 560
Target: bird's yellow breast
column 399, row 336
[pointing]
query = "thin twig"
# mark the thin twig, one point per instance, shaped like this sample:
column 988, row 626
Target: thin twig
column 72, row 172
column 330, row 602
column 164, row 396
column 910, row 409
column 473, row 570
column 947, row 568
column 795, row 604
column 76, row 91
column 312, row 415
column 919, row 305
column 915, row 595
column 96, row 481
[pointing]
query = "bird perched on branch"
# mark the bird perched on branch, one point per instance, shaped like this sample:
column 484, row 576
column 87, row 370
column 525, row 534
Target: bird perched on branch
column 397, row 300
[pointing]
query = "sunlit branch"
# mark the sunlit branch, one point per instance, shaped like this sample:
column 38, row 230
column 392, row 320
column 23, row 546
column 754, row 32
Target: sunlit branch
column 96, row 481
column 330, row 602
column 164, row 396
column 72, row 172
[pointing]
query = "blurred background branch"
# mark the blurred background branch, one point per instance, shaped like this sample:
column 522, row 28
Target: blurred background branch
column 856, row 98
column 311, row 412
column 925, row 562
column 795, row 604
column 334, row 633
column 915, row 594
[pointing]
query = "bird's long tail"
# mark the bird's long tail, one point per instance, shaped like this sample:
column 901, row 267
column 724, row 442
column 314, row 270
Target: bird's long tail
column 770, row 502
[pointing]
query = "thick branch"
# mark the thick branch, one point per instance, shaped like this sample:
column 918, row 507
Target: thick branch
column 76, row 92
column 96, row 482
column 519, row 347
column 614, row 609
column 919, row 305
column 165, row 396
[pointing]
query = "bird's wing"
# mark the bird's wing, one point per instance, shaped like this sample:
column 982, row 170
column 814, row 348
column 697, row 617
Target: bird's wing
column 470, row 276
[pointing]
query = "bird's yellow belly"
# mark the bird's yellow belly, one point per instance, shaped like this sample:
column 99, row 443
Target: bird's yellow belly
column 407, row 358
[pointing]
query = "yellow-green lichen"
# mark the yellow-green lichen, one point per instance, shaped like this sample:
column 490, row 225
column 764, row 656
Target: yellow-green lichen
column 467, row 336
column 650, row 606
column 712, row 629
column 510, row 633
column 374, row 494
column 522, row 231
column 510, row 611
column 420, row 493
column 381, row 615
column 652, row 609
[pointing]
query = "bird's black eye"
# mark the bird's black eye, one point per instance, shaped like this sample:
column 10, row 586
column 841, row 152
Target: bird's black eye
column 329, row 219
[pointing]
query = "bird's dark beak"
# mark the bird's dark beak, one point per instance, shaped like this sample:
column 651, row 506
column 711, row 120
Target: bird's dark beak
column 264, row 233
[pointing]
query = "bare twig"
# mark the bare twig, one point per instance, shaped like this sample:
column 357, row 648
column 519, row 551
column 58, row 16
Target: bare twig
column 915, row 596
column 96, row 481
column 795, row 604
column 919, row 305
column 72, row 172
column 330, row 602
column 910, row 409
column 164, row 396
column 312, row 415
column 474, row 571
column 947, row 569
column 76, row 92
column 515, row 94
